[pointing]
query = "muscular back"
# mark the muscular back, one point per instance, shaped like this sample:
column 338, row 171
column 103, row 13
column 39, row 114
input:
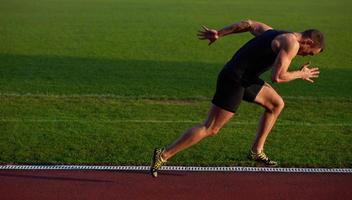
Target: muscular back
column 254, row 57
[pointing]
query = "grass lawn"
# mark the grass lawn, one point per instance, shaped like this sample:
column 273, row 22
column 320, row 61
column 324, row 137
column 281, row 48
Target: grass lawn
column 106, row 130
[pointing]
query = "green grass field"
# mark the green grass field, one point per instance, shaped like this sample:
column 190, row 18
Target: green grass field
column 105, row 81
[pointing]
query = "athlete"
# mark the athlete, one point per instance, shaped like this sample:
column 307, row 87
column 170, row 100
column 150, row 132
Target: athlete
column 239, row 80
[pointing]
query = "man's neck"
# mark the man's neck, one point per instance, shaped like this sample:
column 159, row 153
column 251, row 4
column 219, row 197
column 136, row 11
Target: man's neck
column 298, row 36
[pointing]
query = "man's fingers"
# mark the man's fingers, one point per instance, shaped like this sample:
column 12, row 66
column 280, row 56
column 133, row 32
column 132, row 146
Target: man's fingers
column 314, row 76
column 205, row 28
column 205, row 34
column 314, row 70
column 202, row 38
column 310, row 80
column 201, row 33
column 211, row 41
column 305, row 65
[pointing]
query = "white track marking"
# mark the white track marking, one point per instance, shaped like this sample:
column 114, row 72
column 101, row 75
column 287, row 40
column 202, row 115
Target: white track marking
column 331, row 98
column 177, row 168
column 163, row 122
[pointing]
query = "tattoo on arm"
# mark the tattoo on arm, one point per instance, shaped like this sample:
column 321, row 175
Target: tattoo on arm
column 239, row 27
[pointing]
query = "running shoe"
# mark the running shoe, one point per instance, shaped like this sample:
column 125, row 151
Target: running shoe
column 261, row 158
column 157, row 162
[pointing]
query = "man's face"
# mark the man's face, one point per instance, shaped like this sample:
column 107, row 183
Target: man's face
column 307, row 49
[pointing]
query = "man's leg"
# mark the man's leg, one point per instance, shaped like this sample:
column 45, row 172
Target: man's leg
column 217, row 118
column 273, row 104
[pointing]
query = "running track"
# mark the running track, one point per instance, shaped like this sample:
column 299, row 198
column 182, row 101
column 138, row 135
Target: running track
column 134, row 185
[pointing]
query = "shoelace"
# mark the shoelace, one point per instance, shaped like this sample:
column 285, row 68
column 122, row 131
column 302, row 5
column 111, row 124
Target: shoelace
column 158, row 163
column 263, row 156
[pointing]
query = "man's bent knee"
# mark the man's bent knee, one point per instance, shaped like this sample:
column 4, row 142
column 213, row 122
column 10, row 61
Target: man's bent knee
column 277, row 106
column 280, row 105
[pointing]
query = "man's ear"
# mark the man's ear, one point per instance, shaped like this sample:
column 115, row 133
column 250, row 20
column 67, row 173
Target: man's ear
column 309, row 41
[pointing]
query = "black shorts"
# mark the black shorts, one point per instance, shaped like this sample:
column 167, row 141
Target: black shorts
column 230, row 92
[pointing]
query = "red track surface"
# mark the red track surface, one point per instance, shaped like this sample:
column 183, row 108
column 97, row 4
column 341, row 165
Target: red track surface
column 66, row 185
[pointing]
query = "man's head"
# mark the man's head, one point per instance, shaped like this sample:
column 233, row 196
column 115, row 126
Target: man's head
column 311, row 43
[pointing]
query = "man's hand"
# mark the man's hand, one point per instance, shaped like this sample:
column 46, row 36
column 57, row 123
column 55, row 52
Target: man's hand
column 308, row 73
column 208, row 34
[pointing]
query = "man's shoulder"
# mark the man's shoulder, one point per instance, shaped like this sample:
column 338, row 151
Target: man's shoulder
column 288, row 40
column 289, row 46
column 285, row 35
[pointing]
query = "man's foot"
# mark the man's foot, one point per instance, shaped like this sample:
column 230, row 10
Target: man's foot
column 156, row 162
column 262, row 158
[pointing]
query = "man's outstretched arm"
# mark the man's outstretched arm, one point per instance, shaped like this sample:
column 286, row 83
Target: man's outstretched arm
column 256, row 28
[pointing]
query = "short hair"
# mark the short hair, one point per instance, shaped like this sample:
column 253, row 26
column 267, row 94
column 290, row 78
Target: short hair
column 316, row 36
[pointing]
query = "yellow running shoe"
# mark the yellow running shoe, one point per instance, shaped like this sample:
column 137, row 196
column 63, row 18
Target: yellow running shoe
column 262, row 158
column 157, row 162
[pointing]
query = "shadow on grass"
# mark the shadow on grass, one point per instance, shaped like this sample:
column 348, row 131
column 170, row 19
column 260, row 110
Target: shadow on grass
column 139, row 78
column 67, row 75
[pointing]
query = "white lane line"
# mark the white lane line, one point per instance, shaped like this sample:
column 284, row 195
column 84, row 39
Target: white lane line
column 163, row 122
column 332, row 98
column 177, row 168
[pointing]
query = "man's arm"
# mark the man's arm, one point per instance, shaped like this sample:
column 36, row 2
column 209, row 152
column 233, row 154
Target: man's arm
column 256, row 28
column 280, row 73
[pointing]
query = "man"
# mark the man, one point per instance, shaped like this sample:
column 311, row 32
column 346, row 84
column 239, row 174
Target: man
column 239, row 79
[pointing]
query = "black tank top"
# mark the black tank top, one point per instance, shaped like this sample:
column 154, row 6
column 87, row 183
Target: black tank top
column 253, row 58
